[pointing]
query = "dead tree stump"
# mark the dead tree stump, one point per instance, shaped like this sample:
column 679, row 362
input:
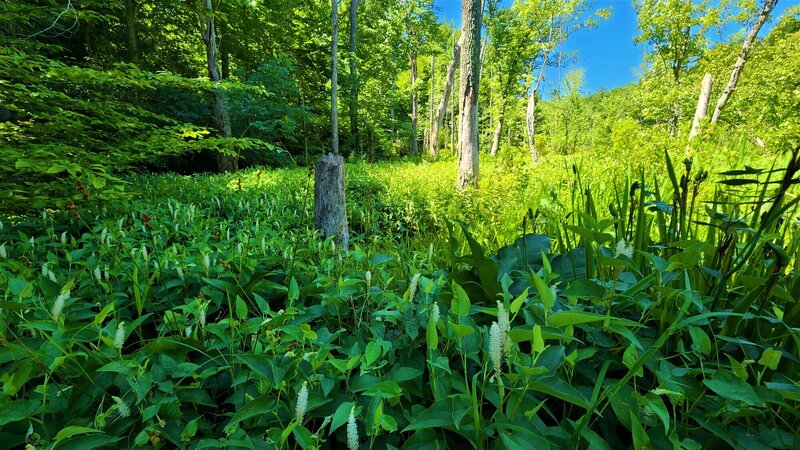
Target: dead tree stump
column 330, row 215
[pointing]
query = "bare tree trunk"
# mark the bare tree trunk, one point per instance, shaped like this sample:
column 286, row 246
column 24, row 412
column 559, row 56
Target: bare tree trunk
column 130, row 23
column 354, row 76
column 412, row 57
column 702, row 106
column 429, row 127
column 530, row 113
column 441, row 110
column 226, row 163
column 468, row 156
column 498, row 131
column 330, row 213
column 334, row 77
column 739, row 65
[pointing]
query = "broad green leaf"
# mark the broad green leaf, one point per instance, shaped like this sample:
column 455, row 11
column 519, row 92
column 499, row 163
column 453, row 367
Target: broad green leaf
column 729, row 386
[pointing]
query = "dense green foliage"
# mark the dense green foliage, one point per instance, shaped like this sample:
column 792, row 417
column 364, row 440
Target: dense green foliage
column 630, row 289
column 197, row 313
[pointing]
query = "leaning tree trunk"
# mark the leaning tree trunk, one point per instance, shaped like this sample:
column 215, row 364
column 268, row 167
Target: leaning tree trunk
column 353, row 76
column 739, row 65
column 468, row 156
column 330, row 213
column 530, row 114
column 412, row 57
column 442, row 109
column 226, row 163
column 702, row 106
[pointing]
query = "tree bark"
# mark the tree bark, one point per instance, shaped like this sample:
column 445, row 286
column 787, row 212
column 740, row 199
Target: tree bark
column 498, row 131
column 739, row 65
column 429, row 127
column 225, row 163
column 130, row 23
column 354, row 76
column 702, row 106
column 412, row 57
column 530, row 114
column 330, row 213
column 468, row 156
column 442, row 109
column 334, row 77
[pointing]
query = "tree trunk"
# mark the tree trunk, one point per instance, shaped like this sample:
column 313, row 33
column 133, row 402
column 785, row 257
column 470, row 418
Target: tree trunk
column 334, row 77
column 702, row 106
column 530, row 114
column 225, row 163
column 354, row 76
column 739, row 65
column 442, row 109
column 412, row 57
column 468, row 156
column 430, row 102
column 330, row 214
column 498, row 131
column 130, row 23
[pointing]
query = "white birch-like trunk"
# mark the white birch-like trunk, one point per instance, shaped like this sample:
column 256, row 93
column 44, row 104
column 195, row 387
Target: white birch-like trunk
column 701, row 112
column 739, row 65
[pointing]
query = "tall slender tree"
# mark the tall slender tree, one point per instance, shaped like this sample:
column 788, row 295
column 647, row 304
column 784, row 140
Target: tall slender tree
column 354, row 86
column 412, row 59
column 468, row 156
column 441, row 110
column 208, row 30
column 330, row 212
column 742, row 59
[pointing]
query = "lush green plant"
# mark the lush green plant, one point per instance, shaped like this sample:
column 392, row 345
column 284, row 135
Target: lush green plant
column 206, row 313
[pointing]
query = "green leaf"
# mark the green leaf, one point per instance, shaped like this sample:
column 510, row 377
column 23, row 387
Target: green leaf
column 68, row 432
column 585, row 289
column 256, row 407
column 700, row 340
column 440, row 414
column 517, row 303
column 770, row 358
column 460, row 305
column 340, row 416
column 729, row 386
column 556, row 387
column 18, row 410
column 87, row 442
column 241, row 308
column 294, row 290
column 566, row 318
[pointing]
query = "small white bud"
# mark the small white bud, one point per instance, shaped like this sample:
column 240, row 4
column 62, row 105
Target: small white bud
column 98, row 275
column 435, row 312
column 3, row 254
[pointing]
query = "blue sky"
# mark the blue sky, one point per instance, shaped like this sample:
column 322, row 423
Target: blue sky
column 606, row 53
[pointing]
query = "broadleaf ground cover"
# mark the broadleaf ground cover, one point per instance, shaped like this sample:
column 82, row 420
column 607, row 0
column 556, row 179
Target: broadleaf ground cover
column 207, row 312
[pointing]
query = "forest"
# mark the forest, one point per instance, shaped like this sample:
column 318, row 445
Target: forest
column 399, row 224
